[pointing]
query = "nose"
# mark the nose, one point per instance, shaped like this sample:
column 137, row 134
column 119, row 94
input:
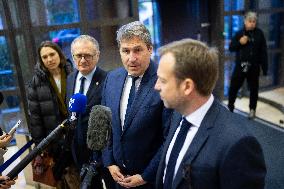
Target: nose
column 132, row 57
column 49, row 58
column 157, row 86
column 83, row 59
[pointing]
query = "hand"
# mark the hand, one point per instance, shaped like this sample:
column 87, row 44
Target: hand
column 6, row 182
column 5, row 139
column 132, row 181
column 244, row 39
column 115, row 173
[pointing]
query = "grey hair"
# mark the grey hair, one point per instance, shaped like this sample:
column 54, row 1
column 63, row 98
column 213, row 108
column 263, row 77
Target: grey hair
column 250, row 15
column 86, row 38
column 134, row 29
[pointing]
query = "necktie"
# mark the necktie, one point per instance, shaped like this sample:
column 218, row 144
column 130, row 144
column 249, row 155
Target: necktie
column 131, row 95
column 82, row 85
column 175, row 153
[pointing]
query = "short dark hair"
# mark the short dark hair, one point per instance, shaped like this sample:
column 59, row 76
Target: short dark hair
column 194, row 60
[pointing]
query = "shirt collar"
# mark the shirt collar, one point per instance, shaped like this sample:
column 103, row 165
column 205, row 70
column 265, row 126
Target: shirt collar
column 89, row 76
column 197, row 116
column 140, row 76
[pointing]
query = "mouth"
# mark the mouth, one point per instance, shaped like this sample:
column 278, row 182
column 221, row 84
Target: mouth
column 51, row 64
column 133, row 67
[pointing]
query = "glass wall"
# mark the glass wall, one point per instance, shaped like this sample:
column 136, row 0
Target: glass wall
column 25, row 24
column 149, row 15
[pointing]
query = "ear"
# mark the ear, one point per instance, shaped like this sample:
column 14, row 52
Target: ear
column 188, row 85
column 150, row 49
column 98, row 54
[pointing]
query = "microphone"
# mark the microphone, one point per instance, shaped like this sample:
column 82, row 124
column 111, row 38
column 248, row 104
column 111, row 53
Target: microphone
column 99, row 127
column 77, row 104
column 98, row 134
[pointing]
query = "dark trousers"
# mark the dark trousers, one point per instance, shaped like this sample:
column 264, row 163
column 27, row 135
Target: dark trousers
column 237, row 81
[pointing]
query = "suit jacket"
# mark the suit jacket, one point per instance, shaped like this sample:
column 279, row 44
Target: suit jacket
column 136, row 149
column 81, row 153
column 222, row 155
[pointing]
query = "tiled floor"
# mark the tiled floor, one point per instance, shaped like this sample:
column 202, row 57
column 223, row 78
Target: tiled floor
column 264, row 111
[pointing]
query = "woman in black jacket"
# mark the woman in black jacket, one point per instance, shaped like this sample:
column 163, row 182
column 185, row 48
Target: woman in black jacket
column 46, row 100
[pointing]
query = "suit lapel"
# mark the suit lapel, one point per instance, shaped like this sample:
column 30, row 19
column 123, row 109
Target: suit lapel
column 176, row 118
column 118, row 88
column 147, row 83
column 70, row 88
column 198, row 141
column 93, row 88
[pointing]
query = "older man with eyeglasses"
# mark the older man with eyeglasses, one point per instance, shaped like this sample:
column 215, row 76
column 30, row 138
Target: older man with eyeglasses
column 87, row 79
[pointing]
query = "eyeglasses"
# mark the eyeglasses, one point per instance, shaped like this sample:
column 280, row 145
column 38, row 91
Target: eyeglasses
column 87, row 57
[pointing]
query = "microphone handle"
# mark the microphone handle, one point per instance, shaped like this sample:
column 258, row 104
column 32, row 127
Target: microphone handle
column 37, row 150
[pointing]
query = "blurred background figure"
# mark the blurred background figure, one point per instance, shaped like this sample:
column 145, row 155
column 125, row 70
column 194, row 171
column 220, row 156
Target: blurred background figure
column 47, row 109
column 5, row 139
column 251, row 54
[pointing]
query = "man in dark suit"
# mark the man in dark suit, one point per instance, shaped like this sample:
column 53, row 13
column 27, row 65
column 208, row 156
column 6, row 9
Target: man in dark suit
column 87, row 79
column 207, row 147
column 138, row 127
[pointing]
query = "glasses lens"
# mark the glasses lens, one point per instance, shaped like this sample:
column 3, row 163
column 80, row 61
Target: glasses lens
column 87, row 57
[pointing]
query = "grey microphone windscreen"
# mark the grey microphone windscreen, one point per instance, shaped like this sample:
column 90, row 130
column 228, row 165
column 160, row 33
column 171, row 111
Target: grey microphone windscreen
column 99, row 127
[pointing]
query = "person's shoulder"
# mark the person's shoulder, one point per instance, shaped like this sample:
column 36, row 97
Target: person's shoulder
column 72, row 74
column 116, row 71
column 258, row 31
column 101, row 71
column 232, row 124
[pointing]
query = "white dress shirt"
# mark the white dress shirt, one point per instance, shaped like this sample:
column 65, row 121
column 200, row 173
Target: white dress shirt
column 125, row 95
column 195, row 119
column 87, row 83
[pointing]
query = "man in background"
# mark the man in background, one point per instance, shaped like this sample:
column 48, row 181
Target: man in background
column 251, row 54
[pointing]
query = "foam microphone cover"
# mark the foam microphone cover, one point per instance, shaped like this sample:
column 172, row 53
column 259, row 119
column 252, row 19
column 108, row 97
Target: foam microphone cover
column 99, row 127
column 77, row 103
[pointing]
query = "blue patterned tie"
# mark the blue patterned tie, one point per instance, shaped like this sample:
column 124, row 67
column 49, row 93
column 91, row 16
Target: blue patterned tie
column 131, row 96
column 175, row 153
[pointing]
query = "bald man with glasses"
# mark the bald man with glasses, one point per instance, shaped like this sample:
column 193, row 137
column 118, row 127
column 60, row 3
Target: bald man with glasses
column 87, row 79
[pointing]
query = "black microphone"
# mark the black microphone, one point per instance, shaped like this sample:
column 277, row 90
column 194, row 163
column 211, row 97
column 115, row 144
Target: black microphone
column 98, row 134
column 37, row 150
column 99, row 127
column 77, row 104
